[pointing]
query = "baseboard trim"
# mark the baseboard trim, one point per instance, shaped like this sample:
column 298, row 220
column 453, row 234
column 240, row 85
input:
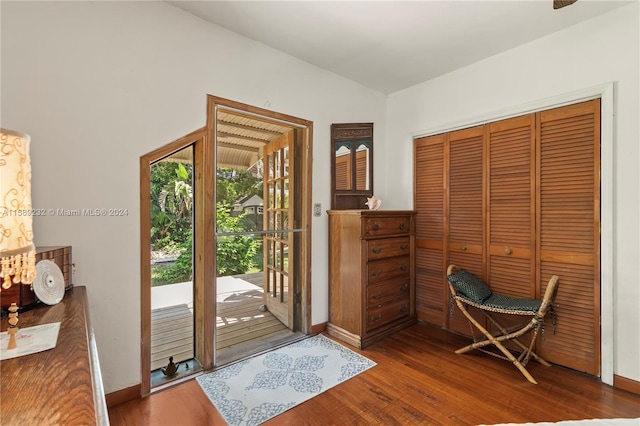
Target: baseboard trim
column 318, row 328
column 626, row 384
column 123, row 395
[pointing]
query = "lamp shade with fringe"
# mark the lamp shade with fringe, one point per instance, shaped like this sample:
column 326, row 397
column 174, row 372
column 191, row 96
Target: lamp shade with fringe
column 17, row 251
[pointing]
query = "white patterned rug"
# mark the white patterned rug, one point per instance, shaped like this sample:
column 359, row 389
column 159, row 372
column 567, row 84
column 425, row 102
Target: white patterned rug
column 252, row 391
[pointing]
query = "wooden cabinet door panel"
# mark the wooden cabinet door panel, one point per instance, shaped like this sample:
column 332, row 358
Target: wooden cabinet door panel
column 429, row 300
column 465, row 225
column 511, row 206
column 429, row 190
column 568, row 173
column 465, row 230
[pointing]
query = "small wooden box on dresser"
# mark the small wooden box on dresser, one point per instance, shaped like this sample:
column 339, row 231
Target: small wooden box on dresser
column 371, row 274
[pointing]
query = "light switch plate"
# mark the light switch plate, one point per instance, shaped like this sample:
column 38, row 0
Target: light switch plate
column 317, row 209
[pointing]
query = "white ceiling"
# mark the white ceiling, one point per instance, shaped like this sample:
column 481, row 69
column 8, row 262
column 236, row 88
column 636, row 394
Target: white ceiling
column 392, row 45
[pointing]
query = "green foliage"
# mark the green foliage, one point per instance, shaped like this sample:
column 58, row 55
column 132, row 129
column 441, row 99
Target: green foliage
column 235, row 254
column 179, row 271
column 232, row 184
column 172, row 226
column 171, row 204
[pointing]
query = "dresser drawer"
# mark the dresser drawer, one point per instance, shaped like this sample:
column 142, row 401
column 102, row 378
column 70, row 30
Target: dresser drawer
column 382, row 270
column 375, row 226
column 387, row 247
column 379, row 294
column 387, row 313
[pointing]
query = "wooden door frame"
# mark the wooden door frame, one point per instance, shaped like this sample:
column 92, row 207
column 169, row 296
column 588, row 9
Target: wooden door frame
column 605, row 92
column 197, row 140
column 203, row 142
column 306, row 127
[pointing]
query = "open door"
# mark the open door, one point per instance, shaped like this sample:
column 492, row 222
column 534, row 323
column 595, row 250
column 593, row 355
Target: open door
column 217, row 328
column 262, row 200
column 278, row 222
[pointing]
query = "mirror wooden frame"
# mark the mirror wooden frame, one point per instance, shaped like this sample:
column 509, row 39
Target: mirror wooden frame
column 345, row 194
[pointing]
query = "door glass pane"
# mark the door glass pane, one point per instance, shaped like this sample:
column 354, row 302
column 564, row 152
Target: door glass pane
column 285, row 202
column 278, row 164
column 270, row 192
column 271, row 167
column 285, row 224
column 285, row 160
column 172, row 309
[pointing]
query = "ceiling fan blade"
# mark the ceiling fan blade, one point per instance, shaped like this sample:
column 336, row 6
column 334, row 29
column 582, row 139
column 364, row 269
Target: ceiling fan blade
column 557, row 4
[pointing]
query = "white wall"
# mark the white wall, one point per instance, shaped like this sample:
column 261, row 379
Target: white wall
column 97, row 85
column 602, row 50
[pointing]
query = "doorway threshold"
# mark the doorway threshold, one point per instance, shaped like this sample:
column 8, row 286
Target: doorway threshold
column 251, row 348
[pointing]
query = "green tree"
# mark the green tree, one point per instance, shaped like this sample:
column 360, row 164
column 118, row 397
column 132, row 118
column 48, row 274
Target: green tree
column 171, row 204
column 171, row 220
column 232, row 184
column 235, row 254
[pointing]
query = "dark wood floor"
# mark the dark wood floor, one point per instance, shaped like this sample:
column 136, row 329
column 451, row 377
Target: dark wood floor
column 418, row 381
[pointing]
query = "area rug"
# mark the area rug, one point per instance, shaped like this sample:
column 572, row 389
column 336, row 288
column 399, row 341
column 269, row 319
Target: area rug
column 255, row 390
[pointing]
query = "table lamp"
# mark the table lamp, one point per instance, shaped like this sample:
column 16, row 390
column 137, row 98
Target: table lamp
column 17, row 251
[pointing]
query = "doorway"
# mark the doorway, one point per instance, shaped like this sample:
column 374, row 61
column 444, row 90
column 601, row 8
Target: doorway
column 260, row 231
column 250, row 246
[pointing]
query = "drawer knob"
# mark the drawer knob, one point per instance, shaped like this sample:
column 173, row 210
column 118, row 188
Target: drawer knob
column 376, row 250
column 404, row 308
column 404, row 287
column 377, row 295
column 375, row 227
column 401, row 226
column 404, row 246
column 377, row 273
column 507, row 251
column 376, row 318
column 404, row 267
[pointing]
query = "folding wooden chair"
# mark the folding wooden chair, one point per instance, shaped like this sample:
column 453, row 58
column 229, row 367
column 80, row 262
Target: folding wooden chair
column 467, row 290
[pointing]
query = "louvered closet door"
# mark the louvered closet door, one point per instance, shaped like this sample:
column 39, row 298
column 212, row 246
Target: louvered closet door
column 429, row 204
column 511, row 200
column 465, row 230
column 511, row 208
column 569, row 224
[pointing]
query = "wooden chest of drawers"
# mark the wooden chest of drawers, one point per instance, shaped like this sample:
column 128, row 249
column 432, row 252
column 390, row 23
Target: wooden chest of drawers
column 371, row 274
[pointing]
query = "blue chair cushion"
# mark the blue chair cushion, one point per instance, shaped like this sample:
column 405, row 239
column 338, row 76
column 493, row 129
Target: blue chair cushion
column 470, row 287
column 512, row 303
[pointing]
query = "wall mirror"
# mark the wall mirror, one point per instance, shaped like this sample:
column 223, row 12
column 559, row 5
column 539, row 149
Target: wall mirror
column 351, row 165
